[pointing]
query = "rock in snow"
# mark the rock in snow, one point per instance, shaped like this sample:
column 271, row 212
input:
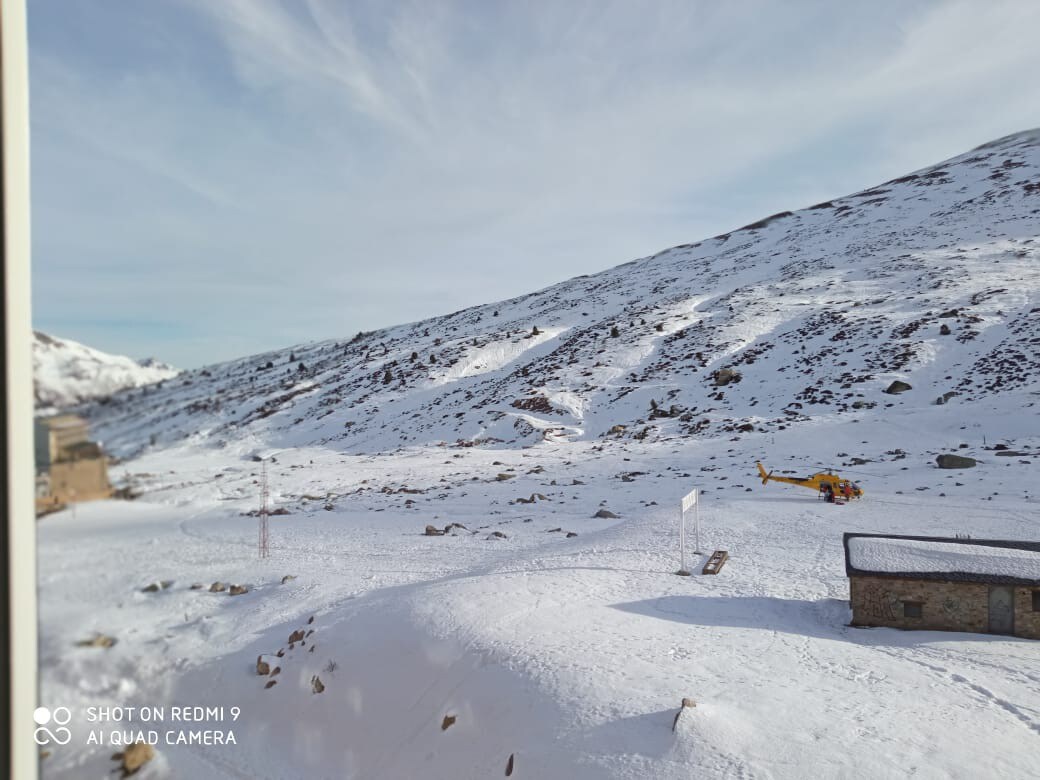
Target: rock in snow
column 955, row 462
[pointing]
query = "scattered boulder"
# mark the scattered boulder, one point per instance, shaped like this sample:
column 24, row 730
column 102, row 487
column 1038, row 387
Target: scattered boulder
column 571, row 534
column 217, row 587
column 99, row 640
column 270, row 684
column 503, row 477
column 288, row 578
column 432, row 530
column 686, row 704
column 497, row 535
column 535, row 497
column 155, row 587
column 262, row 667
column 449, row 720
column 509, row 764
column 317, row 686
column 944, row 398
column 616, row 430
column 606, row 513
column 197, row 586
column 955, row 462
column 725, row 376
column 238, row 590
column 135, row 757
column 452, row 526
column 296, row 636
column 898, row 387
column 944, row 330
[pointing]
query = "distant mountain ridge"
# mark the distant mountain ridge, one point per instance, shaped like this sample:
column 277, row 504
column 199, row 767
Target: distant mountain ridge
column 66, row 373
column 932, row 279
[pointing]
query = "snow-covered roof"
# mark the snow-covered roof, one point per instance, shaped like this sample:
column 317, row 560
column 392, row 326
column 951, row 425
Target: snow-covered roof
column 938, row 558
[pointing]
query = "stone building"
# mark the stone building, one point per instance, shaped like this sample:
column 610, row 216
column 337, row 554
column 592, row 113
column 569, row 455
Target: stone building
column 988, row 586
column 69, row 467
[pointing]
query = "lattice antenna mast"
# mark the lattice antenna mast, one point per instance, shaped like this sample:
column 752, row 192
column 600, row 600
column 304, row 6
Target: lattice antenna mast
column 262, row 547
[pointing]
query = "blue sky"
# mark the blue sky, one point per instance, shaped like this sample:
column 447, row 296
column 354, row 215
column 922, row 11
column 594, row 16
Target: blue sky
column 216, row 178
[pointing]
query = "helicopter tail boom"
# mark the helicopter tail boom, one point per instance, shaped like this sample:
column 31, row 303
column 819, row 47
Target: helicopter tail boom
column 764, row 474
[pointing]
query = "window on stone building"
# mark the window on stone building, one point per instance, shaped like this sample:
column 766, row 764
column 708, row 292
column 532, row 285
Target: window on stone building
column 912, row 609
column 1036, row 601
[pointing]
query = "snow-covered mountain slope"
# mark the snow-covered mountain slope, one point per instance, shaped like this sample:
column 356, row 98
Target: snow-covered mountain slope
column 506, row 604
column 67, row 373
column 931, row 279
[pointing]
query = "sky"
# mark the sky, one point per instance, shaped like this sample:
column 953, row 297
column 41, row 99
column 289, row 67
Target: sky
column 215, row 179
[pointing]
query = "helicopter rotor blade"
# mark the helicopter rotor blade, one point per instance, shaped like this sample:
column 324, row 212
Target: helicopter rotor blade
column 850, row 471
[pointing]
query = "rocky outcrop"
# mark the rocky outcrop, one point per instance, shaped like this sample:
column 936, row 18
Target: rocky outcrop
column 725, row 376
column 955, row 462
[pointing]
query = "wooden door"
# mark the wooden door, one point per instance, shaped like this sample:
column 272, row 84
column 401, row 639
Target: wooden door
column 1001, row 610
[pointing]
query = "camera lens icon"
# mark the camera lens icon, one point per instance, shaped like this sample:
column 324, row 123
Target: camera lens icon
column 60, row 716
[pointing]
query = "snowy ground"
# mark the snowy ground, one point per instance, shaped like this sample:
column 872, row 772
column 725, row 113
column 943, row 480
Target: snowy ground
column 572, row 654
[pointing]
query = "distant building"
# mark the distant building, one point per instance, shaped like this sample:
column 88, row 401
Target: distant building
column 987, row 586
column 69, row 467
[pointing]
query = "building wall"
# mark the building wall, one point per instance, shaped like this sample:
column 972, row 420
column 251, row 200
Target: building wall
column 54, row 435
column 1027, row 622
column 42, row 441
column 64, row 436
column 79, row 480
column 945, row 606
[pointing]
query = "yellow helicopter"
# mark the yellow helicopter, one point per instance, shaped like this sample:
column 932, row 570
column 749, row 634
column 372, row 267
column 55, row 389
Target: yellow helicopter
column 831, row 486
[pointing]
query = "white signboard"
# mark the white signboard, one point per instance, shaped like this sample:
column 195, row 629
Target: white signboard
column 688, row 502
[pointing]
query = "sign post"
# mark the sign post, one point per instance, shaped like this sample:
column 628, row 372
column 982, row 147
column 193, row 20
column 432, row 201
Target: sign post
column 688, row 501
